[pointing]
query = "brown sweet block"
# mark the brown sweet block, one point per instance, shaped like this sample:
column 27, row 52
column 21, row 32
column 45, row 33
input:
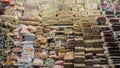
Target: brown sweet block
column 89, row 55
column 79, row 59
column 69, row 57
column 88, row 43
column 96, row 36
column 85, row 24
column 68, row 65
column 96, row 61
column 87, row 37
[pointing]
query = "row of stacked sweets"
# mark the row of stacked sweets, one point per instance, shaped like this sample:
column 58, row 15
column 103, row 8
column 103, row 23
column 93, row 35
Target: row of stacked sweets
column 8, row 23
column 22, row 51
column 22, row 35
column 94, row 51
column 110, row 32
column 27, row 10
column 111, row 38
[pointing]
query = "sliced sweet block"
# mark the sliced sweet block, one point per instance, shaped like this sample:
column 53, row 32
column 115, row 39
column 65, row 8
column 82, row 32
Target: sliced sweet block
column 89, row 50
column 97, row 43
column 89, row 55
column 87, row 37
column 85, row 24
column 100, row 55
column 65, row 17
column 65, row 21
column 79, row 41
column 79, row 49
column 99, row 50
column 79, row 66
column 97, row 66
column 68, row 65
column 95, row 30
column 69, row 1
column 96, row 61
column 69, row 57
column 78, row 33
column 79, row 54
column 60, row 13
column 88, row 43
column 89, row 62
column 79, row 59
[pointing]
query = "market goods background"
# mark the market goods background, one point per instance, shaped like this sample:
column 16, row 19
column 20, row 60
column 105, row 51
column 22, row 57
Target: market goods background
column 60, row 33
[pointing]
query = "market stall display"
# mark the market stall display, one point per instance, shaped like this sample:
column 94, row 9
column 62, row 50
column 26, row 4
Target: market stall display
column 60, row 34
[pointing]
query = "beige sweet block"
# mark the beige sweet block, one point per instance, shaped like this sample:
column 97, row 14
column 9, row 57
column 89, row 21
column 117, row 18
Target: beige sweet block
column 64, row 13
column 79, row 49
column 87, row 37
column 78, row 14
column 65, row 21
column 79, row 66
column 79, row 59
column 69, row 1
column 80, row 1
column 99, row 49
column 88, row 6
column 60, row 1
column 88, row 43
column 69, row 57
column 93, row 22
column 94, row 6
column 80, row 53
column 86, row 29
column 97, row 66
column 85, row 24
column 95, row 30
column 49, row 18
column 97, row 12
column 68, row 65
column 89, row 49
column 84, row 19
column 50, row 21
column 84, row 13
column 65, row 17
column 90, row 12
column 96, row 36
